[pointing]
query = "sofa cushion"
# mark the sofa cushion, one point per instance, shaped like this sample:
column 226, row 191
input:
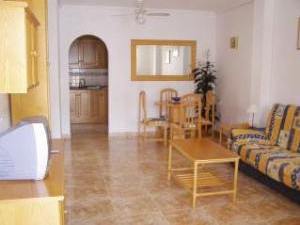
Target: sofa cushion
column 253, row 153
column 280, row 164
column 294, row 140
column 285, row 167
column 241, row 137
column 294, row 137
column 280, row 123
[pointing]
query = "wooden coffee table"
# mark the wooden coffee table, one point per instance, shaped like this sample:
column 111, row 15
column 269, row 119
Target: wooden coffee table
column 201, row 178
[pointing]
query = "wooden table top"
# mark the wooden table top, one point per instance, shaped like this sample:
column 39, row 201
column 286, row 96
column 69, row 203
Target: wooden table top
column 203, row 150
column 51, row 187
column 167, row 103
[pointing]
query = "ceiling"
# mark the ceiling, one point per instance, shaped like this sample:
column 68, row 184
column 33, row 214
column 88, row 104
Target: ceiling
column 211, row 5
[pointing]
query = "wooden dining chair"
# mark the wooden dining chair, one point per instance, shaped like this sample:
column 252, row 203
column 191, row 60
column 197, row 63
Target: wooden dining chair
column 209, row 119
column 166, row 96
column 190, row 117
column 145, row 122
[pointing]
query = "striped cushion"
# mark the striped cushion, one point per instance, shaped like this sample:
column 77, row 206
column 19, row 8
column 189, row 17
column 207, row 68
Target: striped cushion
column 280, row 164
column 283, row 126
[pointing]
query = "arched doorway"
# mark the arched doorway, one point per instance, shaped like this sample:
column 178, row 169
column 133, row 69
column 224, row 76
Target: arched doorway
column 88, row 82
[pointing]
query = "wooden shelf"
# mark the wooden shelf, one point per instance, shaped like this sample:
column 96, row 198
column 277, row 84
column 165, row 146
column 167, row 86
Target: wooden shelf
column 205, row 180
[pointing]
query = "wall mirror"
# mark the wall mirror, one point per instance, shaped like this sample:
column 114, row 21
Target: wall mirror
column 162, row 60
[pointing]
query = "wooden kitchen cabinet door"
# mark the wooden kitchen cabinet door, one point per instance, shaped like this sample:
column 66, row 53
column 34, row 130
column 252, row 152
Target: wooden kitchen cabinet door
column 89, row 54
column 74, row 58
column 72, row 106
column 102, row 99
column 88, row 106
column 102, row 56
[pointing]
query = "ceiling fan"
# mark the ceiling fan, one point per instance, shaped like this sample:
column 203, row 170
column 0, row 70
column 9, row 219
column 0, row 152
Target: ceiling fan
column 141, row 13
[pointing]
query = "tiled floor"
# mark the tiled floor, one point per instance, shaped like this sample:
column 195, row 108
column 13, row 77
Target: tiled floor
column 123, row 182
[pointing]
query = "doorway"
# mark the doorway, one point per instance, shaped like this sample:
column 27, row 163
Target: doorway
column 88, row 83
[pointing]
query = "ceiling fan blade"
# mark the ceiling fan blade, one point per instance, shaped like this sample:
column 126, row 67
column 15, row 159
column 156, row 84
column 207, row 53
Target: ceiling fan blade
column 158, row 14
column 125, row 14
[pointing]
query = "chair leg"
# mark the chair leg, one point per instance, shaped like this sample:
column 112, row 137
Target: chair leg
column 144, row 132
column 200, row 132
column 192, row 133
column 165, row 135
column 139, row 130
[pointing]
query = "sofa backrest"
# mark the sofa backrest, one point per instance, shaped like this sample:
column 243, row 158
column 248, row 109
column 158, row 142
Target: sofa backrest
column 283, row 126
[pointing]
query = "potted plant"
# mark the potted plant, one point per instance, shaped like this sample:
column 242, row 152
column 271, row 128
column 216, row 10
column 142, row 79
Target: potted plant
column 204, row 78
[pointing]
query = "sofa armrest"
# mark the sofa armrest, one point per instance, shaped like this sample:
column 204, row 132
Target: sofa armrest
column 245, row 136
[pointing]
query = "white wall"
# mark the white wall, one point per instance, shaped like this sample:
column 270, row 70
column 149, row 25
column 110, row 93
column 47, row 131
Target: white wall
column 4, row 112
column 234, row 66
column 285, row 85
column 54, row 82
column 117, row 32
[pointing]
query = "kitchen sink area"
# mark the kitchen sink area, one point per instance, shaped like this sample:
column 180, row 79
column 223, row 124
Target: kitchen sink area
column 91, row 87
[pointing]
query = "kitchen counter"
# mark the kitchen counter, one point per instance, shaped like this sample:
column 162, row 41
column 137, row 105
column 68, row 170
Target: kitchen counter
column 88, row 88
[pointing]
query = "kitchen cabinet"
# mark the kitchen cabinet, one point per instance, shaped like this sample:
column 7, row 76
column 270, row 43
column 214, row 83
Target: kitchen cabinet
column 88, row 106
column 74, row 60
column 19, row 48
column 88, row 53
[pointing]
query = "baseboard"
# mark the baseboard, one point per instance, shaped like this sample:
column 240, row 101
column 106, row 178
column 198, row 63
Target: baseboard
column 57, row 145
column 123, row 134
column 129, row 134
column 66, row 136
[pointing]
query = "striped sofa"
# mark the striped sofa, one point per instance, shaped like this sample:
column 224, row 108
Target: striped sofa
column 274, row 152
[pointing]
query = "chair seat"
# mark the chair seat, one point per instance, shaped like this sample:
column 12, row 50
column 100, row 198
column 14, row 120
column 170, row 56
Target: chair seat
column 186, row 126
column 158, row 121
column 206, row 122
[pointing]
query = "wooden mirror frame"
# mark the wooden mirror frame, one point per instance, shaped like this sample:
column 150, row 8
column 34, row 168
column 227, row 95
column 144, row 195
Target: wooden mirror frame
column 136, row 42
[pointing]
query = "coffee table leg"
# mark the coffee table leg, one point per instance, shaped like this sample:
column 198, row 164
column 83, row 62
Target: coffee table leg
column 236, row 169
column 195, row 184
column 170, row 162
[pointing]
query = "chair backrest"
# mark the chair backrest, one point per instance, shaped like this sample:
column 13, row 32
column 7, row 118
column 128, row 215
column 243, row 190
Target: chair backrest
column 142, row 106
column 190, row 110
column 165, row 97
column 283, row 126
column 210, row 106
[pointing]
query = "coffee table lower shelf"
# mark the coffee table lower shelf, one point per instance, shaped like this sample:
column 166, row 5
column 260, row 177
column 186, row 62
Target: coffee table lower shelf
column 202, row 178
column 205, row 181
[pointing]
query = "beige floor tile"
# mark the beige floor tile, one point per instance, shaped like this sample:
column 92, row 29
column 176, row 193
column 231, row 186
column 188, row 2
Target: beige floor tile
column 121, row 181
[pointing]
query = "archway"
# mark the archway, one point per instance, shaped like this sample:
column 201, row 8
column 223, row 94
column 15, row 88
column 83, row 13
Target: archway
column 88, row 83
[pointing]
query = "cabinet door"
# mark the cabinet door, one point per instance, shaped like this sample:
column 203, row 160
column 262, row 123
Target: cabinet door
column 102, row 55
column 74, row 58
column 102, row 98
column 94, row 107
column 72, row 107
column 85, row 107
column 75, row 106
column 30, row 59
column 32, row 52
column 89, row 55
